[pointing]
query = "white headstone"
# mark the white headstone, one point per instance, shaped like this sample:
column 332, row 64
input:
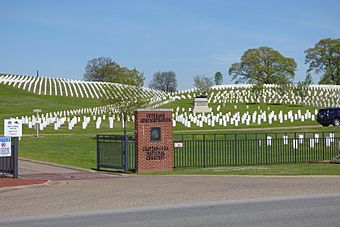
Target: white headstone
column 295, row 143
column 311, row 142
column 269, row 140
column 285, row 140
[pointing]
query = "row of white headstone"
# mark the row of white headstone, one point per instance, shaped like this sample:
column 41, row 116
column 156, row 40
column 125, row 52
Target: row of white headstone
column 275, row 86
column 300, row 140
column 77, row 88
column 43, row 122
column 224, row 119
column 182, row 115
column 312, row 97
column 315, row 95
column 72, row 117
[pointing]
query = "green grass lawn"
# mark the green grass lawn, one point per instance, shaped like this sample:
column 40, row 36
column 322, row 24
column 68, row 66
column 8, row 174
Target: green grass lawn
column 17, row 102
column 281, row 170
column 73, row 150
column 80, row 150
column 77, row 147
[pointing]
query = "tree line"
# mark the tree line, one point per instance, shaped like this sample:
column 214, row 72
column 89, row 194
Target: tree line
column 258, row 66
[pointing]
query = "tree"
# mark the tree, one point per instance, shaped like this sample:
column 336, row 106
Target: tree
column 218, row 78
column 324, row 59
column 203, row 83
column 124, row 75
column 124, row 105
column 164, row 81
column 106, row 70
column 263, row 65
column 99, row 69
column 301, row 89
column 308, row 79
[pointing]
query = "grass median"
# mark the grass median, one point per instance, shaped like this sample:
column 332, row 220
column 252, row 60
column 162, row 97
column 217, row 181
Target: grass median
column 277, row 170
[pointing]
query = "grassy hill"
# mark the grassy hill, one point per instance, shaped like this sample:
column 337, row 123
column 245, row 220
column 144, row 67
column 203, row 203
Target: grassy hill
column 16, row 103
column 78, row 146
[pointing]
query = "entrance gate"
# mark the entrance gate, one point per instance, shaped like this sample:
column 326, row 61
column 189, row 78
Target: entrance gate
column 116, row 152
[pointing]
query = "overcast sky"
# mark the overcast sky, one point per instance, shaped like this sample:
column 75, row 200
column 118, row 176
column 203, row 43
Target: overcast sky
column 188, row 37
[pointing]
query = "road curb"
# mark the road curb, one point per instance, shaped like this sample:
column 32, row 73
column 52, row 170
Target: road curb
column 17, row 187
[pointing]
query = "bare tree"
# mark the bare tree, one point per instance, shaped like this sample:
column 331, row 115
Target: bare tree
column 203, row 83
column 124, row 105
column 165, row 81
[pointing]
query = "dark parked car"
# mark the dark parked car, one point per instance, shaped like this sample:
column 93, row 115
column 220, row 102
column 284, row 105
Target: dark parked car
column 329, row 116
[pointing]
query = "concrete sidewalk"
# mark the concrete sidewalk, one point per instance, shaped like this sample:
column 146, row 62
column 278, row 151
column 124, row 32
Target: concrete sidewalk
column 27, row 166
column 32, row 172
column 38, row 170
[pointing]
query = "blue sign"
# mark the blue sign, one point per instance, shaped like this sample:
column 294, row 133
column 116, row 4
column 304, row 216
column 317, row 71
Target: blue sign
column 5, row 139
column 5, row 147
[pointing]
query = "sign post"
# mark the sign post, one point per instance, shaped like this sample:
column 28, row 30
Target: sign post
column 9, row 146
column 37, row 122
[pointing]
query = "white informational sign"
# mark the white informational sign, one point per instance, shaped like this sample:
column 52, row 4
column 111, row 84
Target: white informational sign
column 178, row 145
column 13, row 128
column 5, row 147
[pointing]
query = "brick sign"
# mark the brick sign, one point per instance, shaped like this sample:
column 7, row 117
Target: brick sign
column 154, row 139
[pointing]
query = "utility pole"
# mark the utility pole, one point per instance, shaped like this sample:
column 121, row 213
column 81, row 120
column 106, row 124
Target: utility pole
column 37, row 122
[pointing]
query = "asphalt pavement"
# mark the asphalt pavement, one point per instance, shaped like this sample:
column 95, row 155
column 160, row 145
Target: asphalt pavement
column 316, row 210
column 131, row 195
column 70, row 196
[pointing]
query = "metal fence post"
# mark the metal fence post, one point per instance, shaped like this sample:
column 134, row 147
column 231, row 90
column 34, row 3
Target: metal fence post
column 15, row 158
column 98, row 154
column 126, row 154
column 266, row 139
column 205, row 151
column 323, row 146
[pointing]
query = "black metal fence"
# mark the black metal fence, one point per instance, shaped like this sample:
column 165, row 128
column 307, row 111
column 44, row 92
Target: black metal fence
column 229, row 149
column 201, row 150
column 9, row 165
column 116, row 152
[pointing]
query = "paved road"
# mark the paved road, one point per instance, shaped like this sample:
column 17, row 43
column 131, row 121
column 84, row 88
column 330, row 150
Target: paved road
column 320, row 210
column 140, row 191
column 90, row 192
